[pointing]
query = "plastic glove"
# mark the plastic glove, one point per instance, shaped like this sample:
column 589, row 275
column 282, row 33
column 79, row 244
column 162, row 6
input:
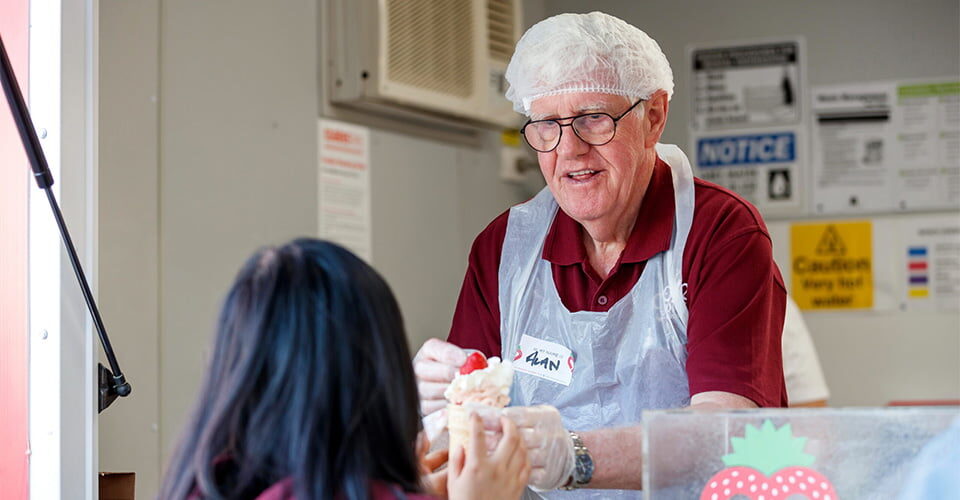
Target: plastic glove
column 548, row 443
column 492, row 419
column 435, row 365
column 434, row 424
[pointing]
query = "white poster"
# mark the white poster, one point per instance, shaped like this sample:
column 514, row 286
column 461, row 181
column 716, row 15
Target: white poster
column 748, row 84
column 763, row 166
column 853, row 143
column 927, row 121
column 344, row 186
column 931, row 263
column 886, row 146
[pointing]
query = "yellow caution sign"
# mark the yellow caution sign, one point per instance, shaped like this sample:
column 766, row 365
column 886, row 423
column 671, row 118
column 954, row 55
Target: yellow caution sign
column 510, row 137
column 832, row 265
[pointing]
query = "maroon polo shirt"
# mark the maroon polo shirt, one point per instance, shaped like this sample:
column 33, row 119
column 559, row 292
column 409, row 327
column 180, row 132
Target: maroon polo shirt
column 735, row 293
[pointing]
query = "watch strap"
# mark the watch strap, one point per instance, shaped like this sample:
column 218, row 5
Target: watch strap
column 580, row 452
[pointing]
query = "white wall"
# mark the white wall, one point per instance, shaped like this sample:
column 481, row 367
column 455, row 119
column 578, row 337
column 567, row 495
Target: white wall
column 429, row 201
column 128, row 270
column 208, row 141
column 868, row 358
column 237, row 165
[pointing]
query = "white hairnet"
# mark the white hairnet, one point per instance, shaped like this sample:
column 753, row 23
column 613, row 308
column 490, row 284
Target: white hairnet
column 593, row 52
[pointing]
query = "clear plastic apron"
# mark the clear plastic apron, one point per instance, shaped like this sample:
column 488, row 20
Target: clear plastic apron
column 628, row 359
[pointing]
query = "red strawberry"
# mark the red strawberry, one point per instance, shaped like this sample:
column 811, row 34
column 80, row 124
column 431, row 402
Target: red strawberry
column 475, row 361
column 752, row 483
column 768, row 464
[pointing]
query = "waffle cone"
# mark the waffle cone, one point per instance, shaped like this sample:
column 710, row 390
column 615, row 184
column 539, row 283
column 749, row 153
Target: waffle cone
column 458, row 423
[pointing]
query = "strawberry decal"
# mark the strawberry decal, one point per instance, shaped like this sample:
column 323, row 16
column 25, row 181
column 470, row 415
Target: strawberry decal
column 768, row 464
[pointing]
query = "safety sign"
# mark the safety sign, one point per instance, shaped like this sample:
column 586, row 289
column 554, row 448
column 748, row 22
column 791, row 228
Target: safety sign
column 832, row 265
column 886, row 146
column 746, row 127
column 746, row 84
column 760, row 165
column 931, row 264
column 344, row 186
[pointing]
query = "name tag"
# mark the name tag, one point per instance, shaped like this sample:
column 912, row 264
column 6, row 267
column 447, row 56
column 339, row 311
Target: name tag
column 543, row 359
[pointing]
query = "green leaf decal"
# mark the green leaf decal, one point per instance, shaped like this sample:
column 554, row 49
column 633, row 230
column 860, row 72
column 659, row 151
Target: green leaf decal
column 768, row 449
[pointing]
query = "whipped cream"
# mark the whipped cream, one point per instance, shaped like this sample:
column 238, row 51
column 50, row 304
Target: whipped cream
column 489, row 386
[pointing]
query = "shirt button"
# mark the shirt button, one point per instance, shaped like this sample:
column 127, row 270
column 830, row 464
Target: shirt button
column 602, row 300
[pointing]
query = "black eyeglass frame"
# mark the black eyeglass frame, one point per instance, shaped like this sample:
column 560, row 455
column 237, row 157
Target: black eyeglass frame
column 572, row 119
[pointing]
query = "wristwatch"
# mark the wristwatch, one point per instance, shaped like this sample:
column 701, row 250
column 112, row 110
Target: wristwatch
column 582, row 465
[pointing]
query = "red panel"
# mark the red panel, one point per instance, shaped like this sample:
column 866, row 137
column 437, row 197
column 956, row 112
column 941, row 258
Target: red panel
column 14, row 183
column 917, row 266
column 926, row 402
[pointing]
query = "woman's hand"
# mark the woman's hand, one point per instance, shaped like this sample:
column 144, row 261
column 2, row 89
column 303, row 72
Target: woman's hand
column 434, row 481
column 502, row 475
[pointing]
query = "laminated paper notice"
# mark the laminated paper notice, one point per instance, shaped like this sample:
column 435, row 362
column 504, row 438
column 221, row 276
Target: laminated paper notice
column 928, row 140
column 763, row 166
column 748, row 84
column 344, row 186
column 886, row 147
column 746, row 125
column 832, row 265
column 931, row 263
column 852, row 155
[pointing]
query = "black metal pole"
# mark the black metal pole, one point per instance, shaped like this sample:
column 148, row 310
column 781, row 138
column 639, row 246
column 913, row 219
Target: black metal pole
column 116, row 382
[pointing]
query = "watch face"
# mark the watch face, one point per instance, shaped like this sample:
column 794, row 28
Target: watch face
column 583, row 472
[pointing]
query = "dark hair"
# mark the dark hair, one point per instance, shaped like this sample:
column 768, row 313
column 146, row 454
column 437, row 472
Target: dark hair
column 310, row 379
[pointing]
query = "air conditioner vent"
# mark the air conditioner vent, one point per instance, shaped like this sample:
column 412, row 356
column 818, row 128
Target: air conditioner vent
column 430, row 45
column 500, row 22
column 436, row 61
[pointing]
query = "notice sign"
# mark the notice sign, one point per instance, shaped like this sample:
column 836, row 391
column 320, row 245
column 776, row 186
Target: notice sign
column 932, row 266
column 852, row 157
column 761, row 167
column 344, row 186
column 886, row 146
column 928, row 143
column 746, row 85
column 832, row 265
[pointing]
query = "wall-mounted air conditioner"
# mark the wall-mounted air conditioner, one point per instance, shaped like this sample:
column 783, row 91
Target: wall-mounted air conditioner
column 438, row 60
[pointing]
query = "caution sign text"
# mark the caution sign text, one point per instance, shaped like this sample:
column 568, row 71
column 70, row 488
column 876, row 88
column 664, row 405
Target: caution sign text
column 832, row 265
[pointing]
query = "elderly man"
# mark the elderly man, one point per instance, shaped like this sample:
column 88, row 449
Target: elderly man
column 654, row 289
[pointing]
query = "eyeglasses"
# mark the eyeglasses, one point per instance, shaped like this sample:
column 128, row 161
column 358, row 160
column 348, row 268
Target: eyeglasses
column 595, row 129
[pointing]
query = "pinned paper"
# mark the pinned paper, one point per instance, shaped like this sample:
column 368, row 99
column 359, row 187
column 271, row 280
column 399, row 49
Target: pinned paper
column 931, row 278
column 344, row 186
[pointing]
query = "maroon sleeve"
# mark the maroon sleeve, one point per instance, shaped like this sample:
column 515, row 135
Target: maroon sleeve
column 736, row 300
column 476, row 320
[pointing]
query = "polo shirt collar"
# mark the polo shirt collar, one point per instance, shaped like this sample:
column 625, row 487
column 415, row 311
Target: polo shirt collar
column 651, row 233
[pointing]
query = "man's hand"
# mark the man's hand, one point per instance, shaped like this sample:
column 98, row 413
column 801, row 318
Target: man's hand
column 548, row 443
column 435, row 365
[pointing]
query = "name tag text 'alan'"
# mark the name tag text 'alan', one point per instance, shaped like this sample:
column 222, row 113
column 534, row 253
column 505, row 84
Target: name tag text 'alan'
column 547, row 360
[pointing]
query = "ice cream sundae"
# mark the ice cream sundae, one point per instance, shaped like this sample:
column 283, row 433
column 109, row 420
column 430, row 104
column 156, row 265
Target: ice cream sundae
column 482, row 384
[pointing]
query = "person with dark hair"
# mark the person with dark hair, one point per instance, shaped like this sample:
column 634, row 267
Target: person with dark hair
column 310, row 394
